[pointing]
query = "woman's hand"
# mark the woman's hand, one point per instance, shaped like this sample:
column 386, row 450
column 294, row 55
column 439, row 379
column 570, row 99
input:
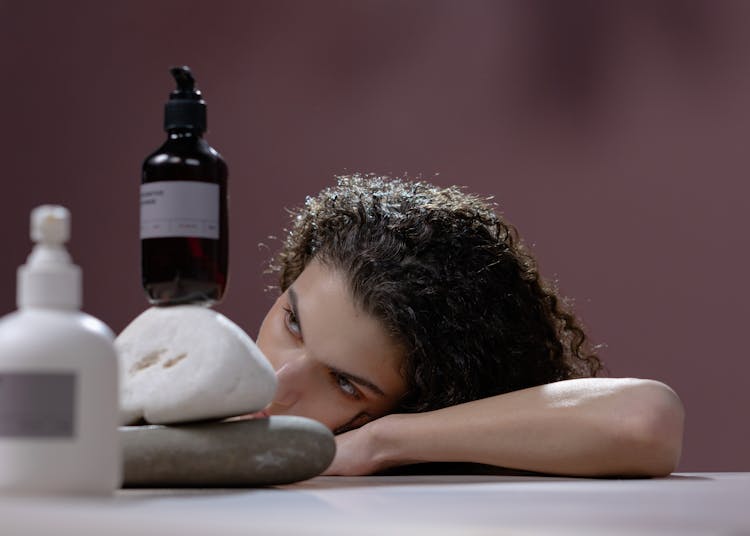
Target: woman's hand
column 362, row 451
column 352, row 454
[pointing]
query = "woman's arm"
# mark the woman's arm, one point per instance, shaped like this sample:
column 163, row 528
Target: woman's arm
column 584, row 427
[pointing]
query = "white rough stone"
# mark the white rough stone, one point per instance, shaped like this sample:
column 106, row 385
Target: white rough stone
column 188, row 363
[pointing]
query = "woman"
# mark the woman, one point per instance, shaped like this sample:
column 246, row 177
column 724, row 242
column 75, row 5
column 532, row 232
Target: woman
column 415, row 324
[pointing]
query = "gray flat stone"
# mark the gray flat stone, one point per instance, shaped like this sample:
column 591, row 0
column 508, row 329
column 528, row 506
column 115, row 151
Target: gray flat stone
column 245, row 453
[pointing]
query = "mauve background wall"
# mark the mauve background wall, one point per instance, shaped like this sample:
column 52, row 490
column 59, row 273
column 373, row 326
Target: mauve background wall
column 614, row 135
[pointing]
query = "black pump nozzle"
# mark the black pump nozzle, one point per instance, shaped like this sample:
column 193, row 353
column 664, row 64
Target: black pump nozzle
column 185, row 108
column 184, row 79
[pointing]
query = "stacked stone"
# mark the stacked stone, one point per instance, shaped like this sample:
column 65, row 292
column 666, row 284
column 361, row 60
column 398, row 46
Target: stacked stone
column 190, row 380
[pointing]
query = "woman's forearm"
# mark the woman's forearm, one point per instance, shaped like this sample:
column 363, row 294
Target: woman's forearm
column 587, row 427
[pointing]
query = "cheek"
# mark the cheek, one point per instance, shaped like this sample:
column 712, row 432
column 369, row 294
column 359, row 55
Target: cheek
column 332, row 415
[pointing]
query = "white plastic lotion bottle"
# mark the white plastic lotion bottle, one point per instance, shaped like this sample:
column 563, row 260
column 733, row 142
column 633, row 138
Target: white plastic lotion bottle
column 58, row 377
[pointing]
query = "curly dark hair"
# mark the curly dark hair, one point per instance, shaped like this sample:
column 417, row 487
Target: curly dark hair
column 448, row 279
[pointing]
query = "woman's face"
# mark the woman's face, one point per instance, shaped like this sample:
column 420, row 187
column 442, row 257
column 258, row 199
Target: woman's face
column 334, row 362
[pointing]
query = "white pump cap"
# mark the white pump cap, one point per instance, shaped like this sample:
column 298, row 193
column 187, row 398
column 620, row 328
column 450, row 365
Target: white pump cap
column 49, row 279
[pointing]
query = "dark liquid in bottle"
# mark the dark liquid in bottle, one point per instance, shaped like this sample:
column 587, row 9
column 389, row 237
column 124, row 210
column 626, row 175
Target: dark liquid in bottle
column 179, row 270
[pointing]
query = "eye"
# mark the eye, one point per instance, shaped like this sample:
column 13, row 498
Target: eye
column 290, row 320
column 345, row 385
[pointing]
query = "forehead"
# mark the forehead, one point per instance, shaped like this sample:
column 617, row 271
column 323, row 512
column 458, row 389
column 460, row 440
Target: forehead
column 340, row 333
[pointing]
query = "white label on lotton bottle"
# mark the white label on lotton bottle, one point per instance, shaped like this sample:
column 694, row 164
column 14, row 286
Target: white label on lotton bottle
column 180, row 209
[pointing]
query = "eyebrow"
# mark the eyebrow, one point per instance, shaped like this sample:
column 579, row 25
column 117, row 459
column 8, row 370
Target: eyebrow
column 353, row 377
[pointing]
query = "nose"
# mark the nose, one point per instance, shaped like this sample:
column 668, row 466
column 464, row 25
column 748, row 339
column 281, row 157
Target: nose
column 290, row 382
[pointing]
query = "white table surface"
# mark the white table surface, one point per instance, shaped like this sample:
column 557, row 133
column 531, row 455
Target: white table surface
column 684, row 503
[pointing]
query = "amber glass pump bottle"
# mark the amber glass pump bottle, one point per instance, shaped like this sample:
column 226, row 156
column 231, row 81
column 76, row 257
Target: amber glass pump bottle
column 184, row 222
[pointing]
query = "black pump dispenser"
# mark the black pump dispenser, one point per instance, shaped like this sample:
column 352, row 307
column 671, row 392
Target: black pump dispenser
column 185, row 108
column 184, row 198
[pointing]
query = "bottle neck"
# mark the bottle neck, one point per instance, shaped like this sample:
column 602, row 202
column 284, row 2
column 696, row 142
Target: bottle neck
column 49, row 280
column 184, row 133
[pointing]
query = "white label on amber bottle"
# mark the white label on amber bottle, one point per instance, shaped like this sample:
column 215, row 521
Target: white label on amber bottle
column 37, row 404
column 180, row 209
